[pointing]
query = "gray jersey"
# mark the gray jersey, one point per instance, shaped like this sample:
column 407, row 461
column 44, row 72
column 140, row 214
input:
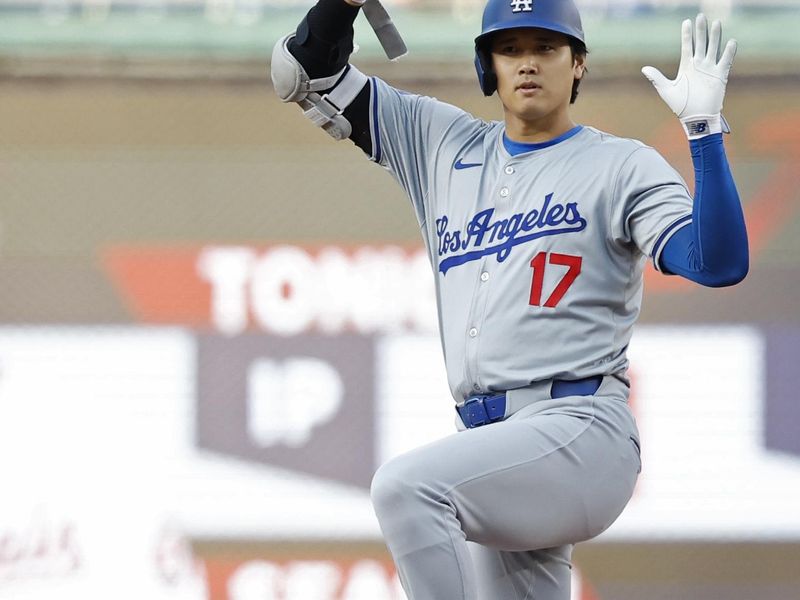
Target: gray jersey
column 538, row 257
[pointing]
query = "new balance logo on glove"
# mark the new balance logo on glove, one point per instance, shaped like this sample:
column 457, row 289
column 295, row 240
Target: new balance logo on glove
column 697, row 127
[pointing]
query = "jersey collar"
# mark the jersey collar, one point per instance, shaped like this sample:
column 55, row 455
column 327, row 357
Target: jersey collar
column 515, row 148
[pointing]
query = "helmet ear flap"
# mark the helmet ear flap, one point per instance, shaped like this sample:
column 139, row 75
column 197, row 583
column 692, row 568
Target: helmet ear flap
column 486, row 75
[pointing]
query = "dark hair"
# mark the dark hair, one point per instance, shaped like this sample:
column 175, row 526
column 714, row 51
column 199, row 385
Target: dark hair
column 578, row 49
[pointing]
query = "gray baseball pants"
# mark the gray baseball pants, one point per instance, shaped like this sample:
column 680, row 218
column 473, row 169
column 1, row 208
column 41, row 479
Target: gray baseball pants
column 522, row 491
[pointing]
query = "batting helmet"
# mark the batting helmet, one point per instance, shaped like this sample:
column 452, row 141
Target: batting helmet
column 556, row 15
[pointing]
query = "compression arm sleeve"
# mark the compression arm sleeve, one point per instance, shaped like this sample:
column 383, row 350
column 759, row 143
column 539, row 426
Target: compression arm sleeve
column 323, row 45
column 711, row 249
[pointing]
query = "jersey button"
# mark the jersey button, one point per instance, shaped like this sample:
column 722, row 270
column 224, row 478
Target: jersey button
column 504, row 192
column 509, row 170
column 473, row 332
column 484, row 276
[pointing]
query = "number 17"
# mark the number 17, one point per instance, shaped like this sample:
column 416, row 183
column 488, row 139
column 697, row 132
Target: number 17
column 538, row 265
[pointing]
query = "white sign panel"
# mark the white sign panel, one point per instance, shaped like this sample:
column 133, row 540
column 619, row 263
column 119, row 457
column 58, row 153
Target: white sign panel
column 86, row 508
column 699, row 396
column 103, row 475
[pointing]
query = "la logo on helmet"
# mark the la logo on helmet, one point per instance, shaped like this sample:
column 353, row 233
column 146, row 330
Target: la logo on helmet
column 521, row 6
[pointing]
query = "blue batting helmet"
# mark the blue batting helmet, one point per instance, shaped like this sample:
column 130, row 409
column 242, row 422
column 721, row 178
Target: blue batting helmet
column 556, row 15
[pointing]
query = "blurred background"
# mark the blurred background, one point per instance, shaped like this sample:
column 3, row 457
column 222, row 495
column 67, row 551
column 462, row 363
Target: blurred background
column 216, row 322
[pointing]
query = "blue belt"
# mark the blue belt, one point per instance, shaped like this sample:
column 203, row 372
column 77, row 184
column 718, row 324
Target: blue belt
column 480, row 410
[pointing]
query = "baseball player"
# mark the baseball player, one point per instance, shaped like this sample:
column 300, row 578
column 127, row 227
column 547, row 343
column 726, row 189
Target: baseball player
column 538, row 230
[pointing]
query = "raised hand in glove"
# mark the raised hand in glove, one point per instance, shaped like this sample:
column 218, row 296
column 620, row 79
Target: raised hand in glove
column 697, row 92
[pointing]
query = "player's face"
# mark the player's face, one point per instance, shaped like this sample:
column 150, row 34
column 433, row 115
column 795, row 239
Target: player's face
column 535, row 71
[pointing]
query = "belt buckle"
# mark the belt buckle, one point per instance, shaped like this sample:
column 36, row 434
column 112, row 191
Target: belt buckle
column 483, row 409
column 475, row 411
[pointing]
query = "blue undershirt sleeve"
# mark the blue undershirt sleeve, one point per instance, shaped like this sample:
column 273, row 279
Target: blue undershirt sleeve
column 712, row 248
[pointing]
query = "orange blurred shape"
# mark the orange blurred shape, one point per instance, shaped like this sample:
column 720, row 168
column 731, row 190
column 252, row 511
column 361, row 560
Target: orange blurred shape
column 159, row 284
column 777, row 133
column 581, row 588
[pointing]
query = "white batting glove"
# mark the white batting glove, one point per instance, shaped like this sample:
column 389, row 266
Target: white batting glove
column 697, row 92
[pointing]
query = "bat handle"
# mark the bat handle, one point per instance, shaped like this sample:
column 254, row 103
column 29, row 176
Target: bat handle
column 388, row 35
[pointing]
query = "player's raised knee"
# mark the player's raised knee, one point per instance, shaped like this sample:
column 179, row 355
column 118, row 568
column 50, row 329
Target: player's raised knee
column 395, row 483
column 388, row 489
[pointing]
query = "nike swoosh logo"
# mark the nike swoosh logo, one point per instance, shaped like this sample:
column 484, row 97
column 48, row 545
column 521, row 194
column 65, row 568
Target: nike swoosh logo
column 462, row 165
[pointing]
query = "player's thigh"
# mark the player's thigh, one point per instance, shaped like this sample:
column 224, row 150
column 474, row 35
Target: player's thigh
column 565, row 479
column 541, row 481
column 541, row 574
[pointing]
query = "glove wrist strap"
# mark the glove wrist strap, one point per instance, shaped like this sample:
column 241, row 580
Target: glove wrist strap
column 700, row 126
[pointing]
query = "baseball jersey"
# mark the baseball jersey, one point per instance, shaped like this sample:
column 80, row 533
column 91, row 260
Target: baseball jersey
column 537, row 257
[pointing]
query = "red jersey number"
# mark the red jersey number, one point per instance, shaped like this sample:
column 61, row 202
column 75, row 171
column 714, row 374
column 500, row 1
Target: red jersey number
column 538, row 264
